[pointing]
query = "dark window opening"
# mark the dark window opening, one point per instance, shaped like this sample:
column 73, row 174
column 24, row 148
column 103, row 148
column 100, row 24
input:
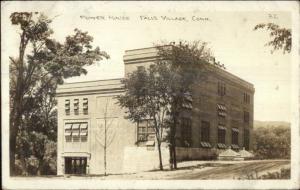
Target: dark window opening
column 140, row 68
column 85, row 106
column 146, row 130
column 76, row 106
column 67, row 107
column 221, row 136
column 246, row 98
column 186, row 132
column 221, row 89
column 205, row 127
column 246, row 117
column 75, row 165
column 234, row 136
column 246, row 139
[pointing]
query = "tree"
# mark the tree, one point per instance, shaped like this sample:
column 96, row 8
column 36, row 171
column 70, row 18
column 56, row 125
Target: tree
column 106, row 132
column 161, row 92
column 272, row 141
column 42, row 63
column 146, row 98
column 281, row 37
column 188, row 63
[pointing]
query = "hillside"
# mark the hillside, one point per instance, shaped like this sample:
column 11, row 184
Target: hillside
column 270, row 123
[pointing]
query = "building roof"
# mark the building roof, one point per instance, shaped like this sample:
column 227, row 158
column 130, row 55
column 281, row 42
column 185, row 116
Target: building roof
column 90, row 87
column 133, row 56
column 150, row 54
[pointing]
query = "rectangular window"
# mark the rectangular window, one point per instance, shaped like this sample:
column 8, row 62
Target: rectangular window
column 234, row 136
column 221, row 89
column 83, row 132
column 85, row 106
column 246, row 139
column 76, row 106
column 67, row 107
column 205, row 127
column 140, row 68
column 146, row 130
column 205, row 135
column 188, row 101
column 76, row 132
column 221, row 109
column 186, row 132
column 246, row 117
column 221, row 134
column 246, row 98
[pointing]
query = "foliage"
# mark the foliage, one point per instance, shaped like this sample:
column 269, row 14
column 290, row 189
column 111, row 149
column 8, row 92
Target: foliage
column 188, row 62
column 272, row 142
column 160, row 92
column 284, row 173
column 146, row 97
column 41, row 65
column 281, row 37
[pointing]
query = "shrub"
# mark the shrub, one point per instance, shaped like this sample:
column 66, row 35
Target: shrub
column 271, row 142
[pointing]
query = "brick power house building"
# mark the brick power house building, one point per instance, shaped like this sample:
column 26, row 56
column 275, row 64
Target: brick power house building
column 220, row 116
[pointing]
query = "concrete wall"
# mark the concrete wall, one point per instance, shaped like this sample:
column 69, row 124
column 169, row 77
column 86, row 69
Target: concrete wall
column 144, row 158
column 205, row 101
column 120, row 131
column 194, row 153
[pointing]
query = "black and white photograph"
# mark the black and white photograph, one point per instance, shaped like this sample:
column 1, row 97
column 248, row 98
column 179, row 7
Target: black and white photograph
column 150, row 95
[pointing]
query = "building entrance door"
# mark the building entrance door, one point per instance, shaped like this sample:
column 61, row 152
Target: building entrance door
column 75, row 165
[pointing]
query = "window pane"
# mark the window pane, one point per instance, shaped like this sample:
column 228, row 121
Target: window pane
column 68, row 138
column 142, row 137
column 142, row 130
column 76, row 138
column 151, row 129
column 83, row 126
column 221, row 136
column 205, row 131
column 75, row 126
column 68, row 126
column 83, row 138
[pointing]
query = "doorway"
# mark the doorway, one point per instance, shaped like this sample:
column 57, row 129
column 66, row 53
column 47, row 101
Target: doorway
column 75, row 165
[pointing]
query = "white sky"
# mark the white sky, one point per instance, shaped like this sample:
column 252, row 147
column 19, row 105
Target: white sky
column 229, row 34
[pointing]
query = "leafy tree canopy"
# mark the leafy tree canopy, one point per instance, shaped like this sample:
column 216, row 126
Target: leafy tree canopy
column 42, row 63
column 281, row 37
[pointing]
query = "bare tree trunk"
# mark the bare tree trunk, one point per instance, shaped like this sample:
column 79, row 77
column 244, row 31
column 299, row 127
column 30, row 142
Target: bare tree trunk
column 160, row 158
column 40, row 167
column 174, row 146
column 105, row 135
column 16, row 115
column 171, row 156
column 173, row 141
column 12, row 149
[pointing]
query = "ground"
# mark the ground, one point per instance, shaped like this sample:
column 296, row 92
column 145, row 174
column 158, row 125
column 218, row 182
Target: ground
column 199, row 170
column 191, row 170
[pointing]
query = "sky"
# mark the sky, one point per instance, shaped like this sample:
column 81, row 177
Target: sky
column 229, row 35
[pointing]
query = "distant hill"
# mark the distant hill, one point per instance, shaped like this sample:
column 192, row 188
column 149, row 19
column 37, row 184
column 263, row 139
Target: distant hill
column 271, row 123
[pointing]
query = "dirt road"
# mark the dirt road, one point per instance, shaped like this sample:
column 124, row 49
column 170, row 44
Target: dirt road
column 236, row 171
column 195, row 170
